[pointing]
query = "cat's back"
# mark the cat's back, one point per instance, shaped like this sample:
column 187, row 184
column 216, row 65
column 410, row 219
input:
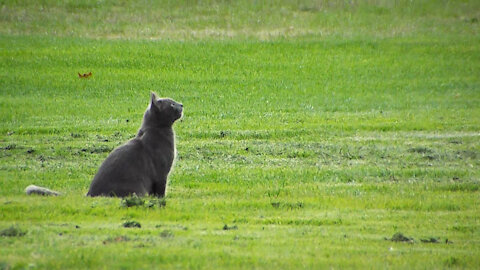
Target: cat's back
column 128, row 152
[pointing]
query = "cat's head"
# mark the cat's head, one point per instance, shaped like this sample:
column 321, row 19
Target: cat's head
column 162, row 111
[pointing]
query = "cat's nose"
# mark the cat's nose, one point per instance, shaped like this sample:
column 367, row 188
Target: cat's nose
column 179, row 107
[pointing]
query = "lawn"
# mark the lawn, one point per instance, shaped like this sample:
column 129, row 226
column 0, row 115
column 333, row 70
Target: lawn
column 314, row 131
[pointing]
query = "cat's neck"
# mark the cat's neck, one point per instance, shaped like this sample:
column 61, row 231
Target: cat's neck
column 155, row 130
column 157, row 136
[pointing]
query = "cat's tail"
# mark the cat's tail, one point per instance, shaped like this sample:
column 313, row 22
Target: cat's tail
column 32, row 189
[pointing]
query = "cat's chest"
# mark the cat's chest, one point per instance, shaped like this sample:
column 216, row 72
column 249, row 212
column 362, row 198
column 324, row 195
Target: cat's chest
column 161, row 147
column 163, row 154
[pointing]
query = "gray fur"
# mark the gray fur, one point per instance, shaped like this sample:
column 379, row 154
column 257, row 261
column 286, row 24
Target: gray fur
column 141, row 166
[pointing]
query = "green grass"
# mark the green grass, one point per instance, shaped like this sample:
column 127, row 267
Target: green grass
column 220, row 19
column 309, row 137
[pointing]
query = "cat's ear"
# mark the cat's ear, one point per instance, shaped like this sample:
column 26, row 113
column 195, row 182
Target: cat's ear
column 153, row 97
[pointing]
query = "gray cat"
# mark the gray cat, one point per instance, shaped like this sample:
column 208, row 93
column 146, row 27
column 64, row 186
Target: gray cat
column 141, row 166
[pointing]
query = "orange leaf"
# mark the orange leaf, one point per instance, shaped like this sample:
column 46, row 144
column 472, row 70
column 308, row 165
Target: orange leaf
column 85, row 75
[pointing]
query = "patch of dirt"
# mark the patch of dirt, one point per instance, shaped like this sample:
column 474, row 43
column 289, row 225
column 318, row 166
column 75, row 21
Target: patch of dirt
column 10, row 147
column 97, row 149
column 174, row 226
column 431, row 240
column 467, row 154
column 131, row 224
column 12, row 232
column 420, row 150
column 227, row 228
column 287, row 205
column 116, row 239
column 166, row 234
column 400, row 237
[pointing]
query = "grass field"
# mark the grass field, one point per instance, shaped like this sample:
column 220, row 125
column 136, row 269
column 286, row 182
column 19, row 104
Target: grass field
column 313, row 132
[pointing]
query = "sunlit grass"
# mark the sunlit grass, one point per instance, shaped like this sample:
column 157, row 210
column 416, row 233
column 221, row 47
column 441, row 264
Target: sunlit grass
column 298, row 149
